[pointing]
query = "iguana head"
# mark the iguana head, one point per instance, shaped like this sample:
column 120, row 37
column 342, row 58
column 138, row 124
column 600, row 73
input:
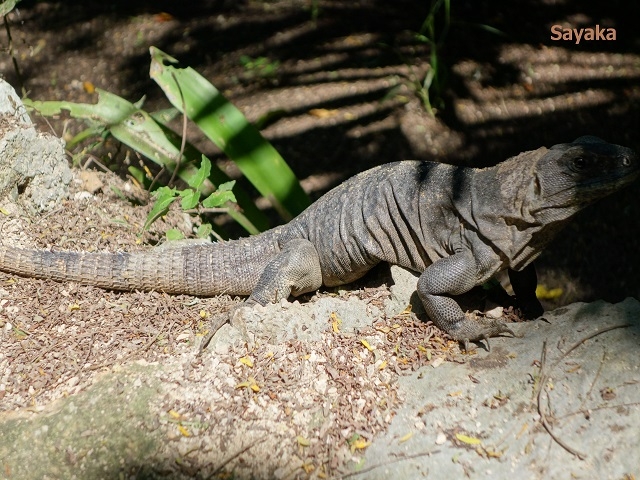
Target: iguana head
column 578, row 173
column 537, row 192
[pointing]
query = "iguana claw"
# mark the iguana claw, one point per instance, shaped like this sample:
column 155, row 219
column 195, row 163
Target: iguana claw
column 468, row 330
column 235, row 317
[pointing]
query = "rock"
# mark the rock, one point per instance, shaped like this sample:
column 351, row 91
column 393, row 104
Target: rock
column 90, row 181
column 491, row 397
column 480, row 409
column 403, row 292
column 33, row 166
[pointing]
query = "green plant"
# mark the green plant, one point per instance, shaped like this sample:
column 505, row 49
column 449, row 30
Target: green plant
column 430, row 89
column 7, row 5
column 314, row 10
column 260, row 67
column 149, row 135
column 165, row 196
column 433, row 32
column 228, row 128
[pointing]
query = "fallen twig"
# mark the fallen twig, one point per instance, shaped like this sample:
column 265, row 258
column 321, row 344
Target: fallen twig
column 235, row 455
column 544, row 377
column 388, row 462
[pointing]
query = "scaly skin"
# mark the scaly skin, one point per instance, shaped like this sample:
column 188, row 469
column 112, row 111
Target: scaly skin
column 456, row 226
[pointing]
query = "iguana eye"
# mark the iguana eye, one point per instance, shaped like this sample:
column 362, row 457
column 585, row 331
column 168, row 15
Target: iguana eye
column 579, row 163
column 626, row 161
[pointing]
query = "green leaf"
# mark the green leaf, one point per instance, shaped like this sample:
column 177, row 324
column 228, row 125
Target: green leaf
column 218, row 199
column 127, row 123
column 226, row 186
column 228, row 128
column 6, row 6
column 138, row 175
column 202, row 174
column 174, row 234
column 147, row 135
column 190, row 199
column 204, row 230
column 164, row 197
column 118, row 192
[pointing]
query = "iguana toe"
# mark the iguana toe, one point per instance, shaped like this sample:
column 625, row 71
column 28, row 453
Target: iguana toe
column 468, row 330
column 238, row 320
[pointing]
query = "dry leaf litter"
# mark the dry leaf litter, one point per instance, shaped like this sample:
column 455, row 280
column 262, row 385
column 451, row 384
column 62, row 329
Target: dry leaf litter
column 315, row 405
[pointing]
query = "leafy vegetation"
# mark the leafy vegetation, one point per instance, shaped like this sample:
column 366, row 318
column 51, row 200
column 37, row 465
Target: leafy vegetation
column 260, row 67
column 165, row 196
column 431, row 88
column 149, row 134
column 433, row 32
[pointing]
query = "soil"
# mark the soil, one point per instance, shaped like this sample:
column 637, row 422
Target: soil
column 343, row 89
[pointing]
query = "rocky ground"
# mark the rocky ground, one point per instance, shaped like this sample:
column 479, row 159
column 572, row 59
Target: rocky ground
column 345, row 99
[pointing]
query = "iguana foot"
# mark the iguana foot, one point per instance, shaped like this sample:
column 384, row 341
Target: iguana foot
column 217, row 323
column 479, row 328
column 236, row 318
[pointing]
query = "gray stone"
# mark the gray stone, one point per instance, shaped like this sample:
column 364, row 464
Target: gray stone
column 403, row 292
column 591, row 400
column 33, row 166
column 474, row 418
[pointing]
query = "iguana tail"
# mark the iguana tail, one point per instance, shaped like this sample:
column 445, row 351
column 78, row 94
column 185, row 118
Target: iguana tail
column 198, row 269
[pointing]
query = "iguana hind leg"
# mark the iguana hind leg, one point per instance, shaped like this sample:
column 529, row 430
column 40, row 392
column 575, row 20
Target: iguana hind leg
column 293, row 271
column 455, row 275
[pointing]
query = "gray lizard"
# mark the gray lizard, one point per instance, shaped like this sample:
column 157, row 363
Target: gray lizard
column 457, row 226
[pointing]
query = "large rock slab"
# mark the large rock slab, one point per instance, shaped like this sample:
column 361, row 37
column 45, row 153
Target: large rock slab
column 481, row 418
column 477, row 416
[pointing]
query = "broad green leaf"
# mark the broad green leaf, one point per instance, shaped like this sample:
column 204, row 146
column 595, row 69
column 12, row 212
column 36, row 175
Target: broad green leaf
column 252, row 219
column 227, row 127
column 218, row 199
column 126, row 122
column 164, row 197
column 204, row 230
column 7, row 6
column 190, row 199
column 202, row 174
column 140, row 131
column 227, row 186
column 174, row 234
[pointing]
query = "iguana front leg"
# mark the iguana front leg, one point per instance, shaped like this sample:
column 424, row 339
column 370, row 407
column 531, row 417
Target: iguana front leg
column 455, row 275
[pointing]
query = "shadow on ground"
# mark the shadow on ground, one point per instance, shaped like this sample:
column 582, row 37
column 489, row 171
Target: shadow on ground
column 358, row 63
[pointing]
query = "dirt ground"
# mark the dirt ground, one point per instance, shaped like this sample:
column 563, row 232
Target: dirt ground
column 343, row 90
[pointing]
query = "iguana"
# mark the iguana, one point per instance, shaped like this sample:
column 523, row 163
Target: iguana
column 455, row 225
